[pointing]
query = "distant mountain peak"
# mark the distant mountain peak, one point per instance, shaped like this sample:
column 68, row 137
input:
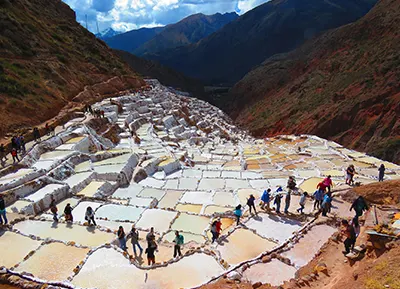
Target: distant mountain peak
column 107, row 33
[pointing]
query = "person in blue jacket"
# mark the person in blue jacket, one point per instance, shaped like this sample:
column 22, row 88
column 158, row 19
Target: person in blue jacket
column 266, row 198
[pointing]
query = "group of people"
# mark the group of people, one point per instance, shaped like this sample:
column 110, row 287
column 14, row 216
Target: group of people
column 152, row 246
column 351, row 171
column 17, row 147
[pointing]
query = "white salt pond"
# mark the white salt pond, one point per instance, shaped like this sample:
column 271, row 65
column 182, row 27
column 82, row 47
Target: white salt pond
column 119, row 212
column 159, row 219
column 274, row 273
column 64, row 232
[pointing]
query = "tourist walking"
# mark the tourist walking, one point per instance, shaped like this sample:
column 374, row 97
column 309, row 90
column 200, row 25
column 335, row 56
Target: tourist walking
column 251, row 204
column 89, row 216
column 36, row 135
column 14, row 155
column 277, row 203
column 238, row 213
column 134, row 235
column 350, row 235
column 3, row 154
column 3, row 214
column 178, row 243
column 53, row 209
column 150, row 237
column 265, row 199
column 121, row 238
column 288, row 197
column 216, row 229
column 318, row 197
column 22, row 144
column 328, row 183
column 150, row 252
column 68, row 213
column 326, row 204
column 359, row 206
column 381, row 172
column 302, row 202
column 350, row 172
column 291, row 184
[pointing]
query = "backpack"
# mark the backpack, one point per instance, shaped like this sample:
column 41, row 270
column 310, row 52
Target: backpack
column 181, row 239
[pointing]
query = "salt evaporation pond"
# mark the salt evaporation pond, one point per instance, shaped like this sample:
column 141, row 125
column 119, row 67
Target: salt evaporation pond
column 119, row 212
column 274, row 273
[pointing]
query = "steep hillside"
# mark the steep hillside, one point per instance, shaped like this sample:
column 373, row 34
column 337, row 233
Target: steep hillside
column 46, row 59
column 345, row 85
column 131, row 40
column 275, row 27
column 187, row 31
column 165, row 75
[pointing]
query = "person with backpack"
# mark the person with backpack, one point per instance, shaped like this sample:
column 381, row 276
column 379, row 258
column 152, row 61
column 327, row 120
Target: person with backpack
column 238, row 213
column 89, row 216
column 216, row 229
column 178, row 243
column 266, row 198
column 302, row 202
column 68, row 213
column 53, row 209
column 3, row 214
column 121, row 238
column 359, row 205
column 134, row 235
column 251, row 204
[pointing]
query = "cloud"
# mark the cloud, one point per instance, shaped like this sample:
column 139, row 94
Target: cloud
column 123, row 15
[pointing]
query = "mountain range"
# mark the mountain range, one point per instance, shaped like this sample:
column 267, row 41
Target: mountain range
column 153, row 40
column 277, row 26
column 107, row 33
column 47, row 58
column 343, row 85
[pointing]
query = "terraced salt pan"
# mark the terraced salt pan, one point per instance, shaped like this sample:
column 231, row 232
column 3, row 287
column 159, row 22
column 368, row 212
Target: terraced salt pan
column 211, row 184
column 191, row 223
column 9, row 257
column 17, row 206
column 91, row 189
column 197, row 198
column 189, row 272
column 188, row 184
column 119, row 213
column 152, row 193
column 43, row 165
column 306, row 248
column 54, row 262
column 77, row 179
column 192, row 173
column 273, row 227
column 140, row 202
column 64, row 232
column 65, row 147
column 189, row 208
column 171, row 185
column 75, row 140
column 83, row 167
column 159, row 219
column 40, row 194
column 122, row 159
column 224, row 199
column 152, row 183
column 108, row 169
column 237, row 248
column 21, row 173
column 310, row 185
column 55, row 155
column 170, row 199
column 212, row 209
column 274, row 273
column 132, row 191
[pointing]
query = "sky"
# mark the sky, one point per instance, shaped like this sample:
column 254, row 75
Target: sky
column 124, row 15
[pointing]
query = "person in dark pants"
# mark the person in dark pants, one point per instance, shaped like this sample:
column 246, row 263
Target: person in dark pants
column 121, row 238
column 68, row 213
column 250, row 203
column 238, row 213
column 359, row 205
column 381, row 172
column 216, row 229
column 326, row 204
column 150, row 237
column 151, row 258
column 89, row 216
column 36, row 134
column 178, row 243
column 134, row 235
column 53, row 209
column 14, row 155
column 349, row 233
column 277, row 203
column 3, row 217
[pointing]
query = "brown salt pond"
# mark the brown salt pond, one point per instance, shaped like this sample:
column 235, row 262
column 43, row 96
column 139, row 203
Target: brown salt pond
column 236, row 248
column 9, row 258
column 274, row 273
column 54, row 262
column 88, row 236
column 306, row 248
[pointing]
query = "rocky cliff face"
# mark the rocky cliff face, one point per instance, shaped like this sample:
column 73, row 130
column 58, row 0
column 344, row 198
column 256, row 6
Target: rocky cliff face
column 47, row 58
column 344, row 86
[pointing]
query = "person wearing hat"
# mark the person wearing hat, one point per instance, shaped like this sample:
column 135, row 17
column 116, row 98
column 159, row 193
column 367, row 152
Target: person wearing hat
column 134, row 235
column 3, row 217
